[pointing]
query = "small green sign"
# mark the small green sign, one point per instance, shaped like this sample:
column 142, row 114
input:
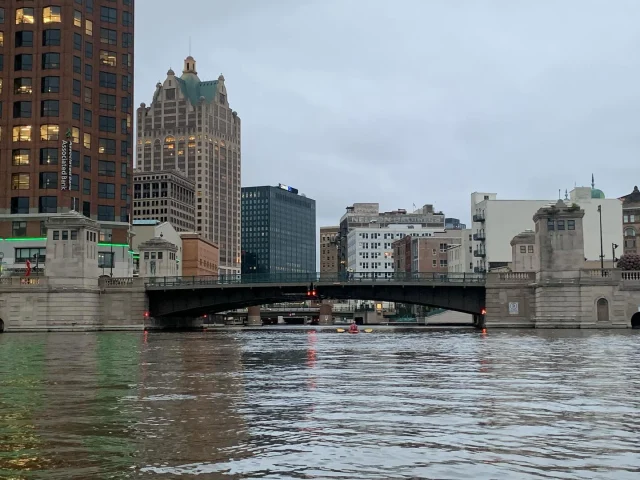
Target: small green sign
column 68, row 134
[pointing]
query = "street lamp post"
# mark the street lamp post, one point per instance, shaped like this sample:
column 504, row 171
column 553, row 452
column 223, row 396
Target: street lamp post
column 111, row 259
column 601, row 245
column 613, row 254
column 36, row 257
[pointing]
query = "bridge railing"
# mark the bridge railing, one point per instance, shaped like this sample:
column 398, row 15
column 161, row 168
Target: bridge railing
column 308, row 278
column 23, row 281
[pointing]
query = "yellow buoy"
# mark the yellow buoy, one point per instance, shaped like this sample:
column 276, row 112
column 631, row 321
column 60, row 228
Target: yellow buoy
column 340, row 330
column 368, row 330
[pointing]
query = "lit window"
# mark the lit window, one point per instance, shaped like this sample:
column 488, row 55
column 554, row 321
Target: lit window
column 108, row 58
column 49, row 132
column 88, row 27
column 20, row 157
column 20, row 86
column 51, row 15
column 1, row 39
column 75, row 134
column 77, row 18
column 24, row 15
column 88, row 94
column 22, row 133
column 20, row 181
column 86, row 140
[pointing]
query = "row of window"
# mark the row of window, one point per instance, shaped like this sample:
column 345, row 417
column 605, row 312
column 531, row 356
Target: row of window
column 51, row 61
column 53, row 14
column 51, row 132
column 560, row 224
column 49, row 156
column 49, row 204
column 49, row 180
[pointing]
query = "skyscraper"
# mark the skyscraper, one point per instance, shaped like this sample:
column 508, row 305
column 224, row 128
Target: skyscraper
column 190, row 127
column 278, row 231
column 66, row 86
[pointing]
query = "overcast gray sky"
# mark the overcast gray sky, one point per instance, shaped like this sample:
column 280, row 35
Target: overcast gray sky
column 414, row 101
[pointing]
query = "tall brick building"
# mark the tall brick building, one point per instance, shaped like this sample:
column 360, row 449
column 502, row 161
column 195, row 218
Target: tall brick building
column 66, row 87
column 631, row 221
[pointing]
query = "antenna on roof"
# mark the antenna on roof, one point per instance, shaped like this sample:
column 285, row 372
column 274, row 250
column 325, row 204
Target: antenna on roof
column 189, row 45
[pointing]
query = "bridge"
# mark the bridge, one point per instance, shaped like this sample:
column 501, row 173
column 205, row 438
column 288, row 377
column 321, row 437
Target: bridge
column 193, row 296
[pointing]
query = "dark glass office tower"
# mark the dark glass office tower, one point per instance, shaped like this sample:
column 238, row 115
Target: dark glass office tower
column 278, row 231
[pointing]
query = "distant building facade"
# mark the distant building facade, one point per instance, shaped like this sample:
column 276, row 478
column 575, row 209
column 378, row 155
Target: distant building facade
column 190, row 127
column 166, row 196
column 460, row 255
column 425, row 254
column 329, row 249
column 200, row 257
column 631, row 221
column 496, row 222
column 454, row 224
column 371, row 251
column 278, row 230
column 365, row 215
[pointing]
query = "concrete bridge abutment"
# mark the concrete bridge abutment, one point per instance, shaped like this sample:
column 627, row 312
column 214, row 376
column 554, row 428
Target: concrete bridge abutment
column 253, row 316
column 326, row 314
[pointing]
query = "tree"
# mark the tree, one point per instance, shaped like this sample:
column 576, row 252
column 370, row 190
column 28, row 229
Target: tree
column 629, row 261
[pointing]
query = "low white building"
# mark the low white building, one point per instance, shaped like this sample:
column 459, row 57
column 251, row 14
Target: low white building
column 496, row 222
column 460, row 256
column 370, row 250
column 145, row 230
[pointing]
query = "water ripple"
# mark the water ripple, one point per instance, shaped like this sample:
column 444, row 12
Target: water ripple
column 440, row 404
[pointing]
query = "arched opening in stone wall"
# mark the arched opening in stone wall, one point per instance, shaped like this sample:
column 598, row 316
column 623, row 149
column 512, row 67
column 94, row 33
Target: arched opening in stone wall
column 635, row 320
column 1, row 326
column 603, row 310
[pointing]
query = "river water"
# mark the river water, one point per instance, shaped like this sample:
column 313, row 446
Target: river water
column 304, row 404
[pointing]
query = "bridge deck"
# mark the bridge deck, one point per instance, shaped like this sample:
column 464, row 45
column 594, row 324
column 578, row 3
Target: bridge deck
column 313, row 279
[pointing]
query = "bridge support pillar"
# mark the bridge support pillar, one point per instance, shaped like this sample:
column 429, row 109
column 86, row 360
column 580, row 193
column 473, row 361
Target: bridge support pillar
column 326, row 314
column 253, row 316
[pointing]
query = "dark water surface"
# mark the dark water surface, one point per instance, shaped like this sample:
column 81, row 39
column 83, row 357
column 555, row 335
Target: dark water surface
column 239, row 405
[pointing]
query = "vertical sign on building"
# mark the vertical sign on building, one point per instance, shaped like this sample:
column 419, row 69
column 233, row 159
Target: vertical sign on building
column 65, row 162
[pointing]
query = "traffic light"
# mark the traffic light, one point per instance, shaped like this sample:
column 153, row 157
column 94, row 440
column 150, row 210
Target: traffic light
column 311, row 291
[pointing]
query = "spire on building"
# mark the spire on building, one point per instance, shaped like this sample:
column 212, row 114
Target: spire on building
column 593, row 182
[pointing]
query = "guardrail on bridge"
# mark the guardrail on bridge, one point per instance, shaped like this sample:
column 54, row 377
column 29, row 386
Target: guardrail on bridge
column 308, row 278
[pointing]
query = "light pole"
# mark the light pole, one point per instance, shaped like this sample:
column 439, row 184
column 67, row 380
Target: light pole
column 36, row 257
column 111, row 259
column 613, row 254
column 601, row 245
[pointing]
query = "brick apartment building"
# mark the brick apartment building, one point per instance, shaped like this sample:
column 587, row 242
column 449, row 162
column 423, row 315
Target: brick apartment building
column 66, row 87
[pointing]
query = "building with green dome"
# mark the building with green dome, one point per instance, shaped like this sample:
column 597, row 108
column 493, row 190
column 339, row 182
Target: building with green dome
column 190, row 127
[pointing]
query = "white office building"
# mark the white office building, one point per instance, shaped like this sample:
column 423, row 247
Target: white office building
column 370, row 254
column 460, row 256
column 496, row 222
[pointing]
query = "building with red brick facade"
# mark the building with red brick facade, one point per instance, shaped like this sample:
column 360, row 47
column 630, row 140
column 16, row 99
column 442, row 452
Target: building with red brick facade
column 66, row 88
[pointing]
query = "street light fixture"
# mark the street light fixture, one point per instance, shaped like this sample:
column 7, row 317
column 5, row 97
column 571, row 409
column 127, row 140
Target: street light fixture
column 36, row 257
column 601, row 245
column 111, row 258
column 613, row 254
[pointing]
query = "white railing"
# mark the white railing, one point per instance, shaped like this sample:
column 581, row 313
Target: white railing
column 519, row 277
column 116, row 282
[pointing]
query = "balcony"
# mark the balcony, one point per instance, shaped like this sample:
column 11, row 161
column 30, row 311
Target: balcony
column 479, row 270
column 480, row 236
column 478, row 217
column 480, row 253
